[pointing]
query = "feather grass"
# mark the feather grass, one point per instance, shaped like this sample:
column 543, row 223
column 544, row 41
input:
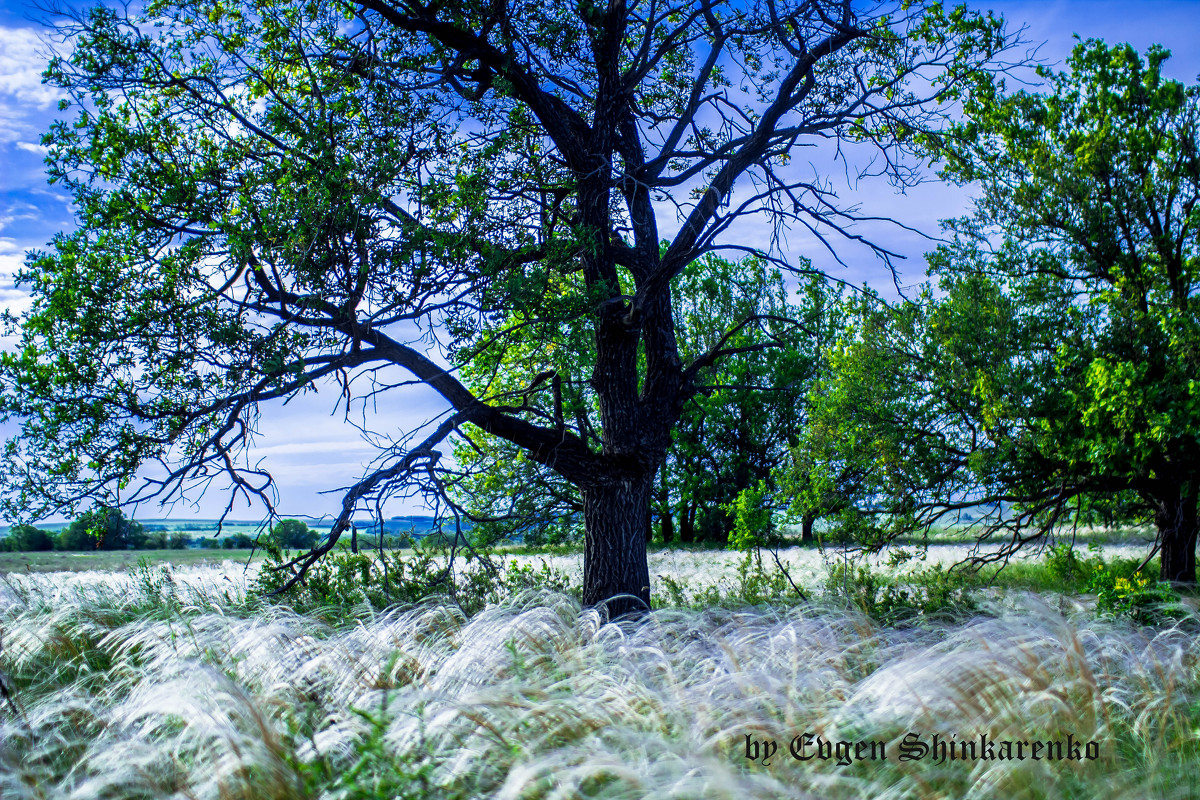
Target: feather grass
column 176, row 684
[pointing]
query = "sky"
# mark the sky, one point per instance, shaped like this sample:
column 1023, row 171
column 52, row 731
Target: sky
column 304, row 443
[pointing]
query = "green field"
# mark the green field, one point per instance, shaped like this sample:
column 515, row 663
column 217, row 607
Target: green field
column 117, row 560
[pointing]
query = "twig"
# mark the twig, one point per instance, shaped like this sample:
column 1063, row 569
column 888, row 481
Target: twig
column 788, row 575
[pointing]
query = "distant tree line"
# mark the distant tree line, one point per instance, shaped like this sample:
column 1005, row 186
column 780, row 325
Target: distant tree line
column 110, row 529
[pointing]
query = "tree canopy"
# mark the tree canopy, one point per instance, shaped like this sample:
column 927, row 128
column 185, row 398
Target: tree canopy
column 287, row 533
column 276, row 196
column 27, row 538
column 102, row 529
column 732, row 435
column 1056, row 367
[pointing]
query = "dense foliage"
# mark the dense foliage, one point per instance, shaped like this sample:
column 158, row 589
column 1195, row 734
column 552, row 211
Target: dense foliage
column 1052, row 372
column 733, row 436
column 293, row 534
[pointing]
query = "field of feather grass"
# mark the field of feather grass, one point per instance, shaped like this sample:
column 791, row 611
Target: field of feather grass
column 164, row 682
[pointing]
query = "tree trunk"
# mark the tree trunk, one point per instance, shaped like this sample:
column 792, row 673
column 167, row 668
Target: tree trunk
column 615, row 571
column 806, row 528
column 687, row 524
column 666, row 523
column 1176, row 520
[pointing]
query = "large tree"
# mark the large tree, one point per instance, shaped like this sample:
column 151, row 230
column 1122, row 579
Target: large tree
column 1058, row 367
column 274, row 195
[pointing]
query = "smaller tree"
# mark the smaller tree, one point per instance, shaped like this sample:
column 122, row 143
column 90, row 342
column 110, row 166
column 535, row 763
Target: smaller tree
column 75, row 537
column 293, row 534
column 102, row 529
column 240, row 541
column 155, row 540
column 27, row 539
column 865, row 445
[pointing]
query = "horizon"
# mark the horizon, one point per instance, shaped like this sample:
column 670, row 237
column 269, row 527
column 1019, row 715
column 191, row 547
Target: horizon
column 207, row 522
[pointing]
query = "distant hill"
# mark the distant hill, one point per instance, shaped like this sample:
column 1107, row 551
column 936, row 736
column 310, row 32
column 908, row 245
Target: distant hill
column 416, row 525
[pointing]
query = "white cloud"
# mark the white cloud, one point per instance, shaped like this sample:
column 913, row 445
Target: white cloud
column 11, row 261
column 23, row 56
column 24, row 100
column 24, row 223
column 16, row 301
column 30, row 147
column 10, row 297
column 14, row 124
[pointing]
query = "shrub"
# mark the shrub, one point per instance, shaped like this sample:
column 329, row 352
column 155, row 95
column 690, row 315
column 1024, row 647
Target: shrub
column 925, row 592
column 1121, row 589
column 26, row 538
column 1065, row 565
column 238, row 541
column 293, row 534
column 382, row 579
column 752, row 519
column 1120, row 586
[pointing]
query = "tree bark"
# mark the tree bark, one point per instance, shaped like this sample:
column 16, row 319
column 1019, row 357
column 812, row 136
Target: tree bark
column 806, row 528
column 687, row 524
column 663, row 503
column 1177, row 523
column 616, row 574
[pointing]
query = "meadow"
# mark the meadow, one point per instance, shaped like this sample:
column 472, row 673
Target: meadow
column 118, row 560
column 166, row 681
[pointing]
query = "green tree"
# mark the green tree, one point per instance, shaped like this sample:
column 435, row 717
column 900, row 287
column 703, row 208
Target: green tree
column 27, row 538
column 74, row 537
column 857, row 416
column 733, row 435
column 293, row 534
column 240, row 541
column 736, row 433
column 274, row 195
column 102, row 529
column 1056, row 369
column 165, row 540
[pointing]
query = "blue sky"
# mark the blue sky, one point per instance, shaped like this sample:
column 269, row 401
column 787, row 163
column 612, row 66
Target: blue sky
column 308, row 449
